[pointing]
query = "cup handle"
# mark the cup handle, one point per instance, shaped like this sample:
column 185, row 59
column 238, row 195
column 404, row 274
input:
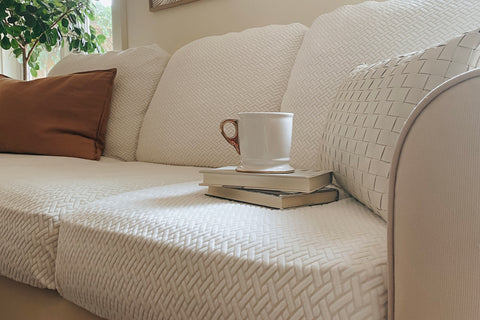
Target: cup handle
column 232, row 140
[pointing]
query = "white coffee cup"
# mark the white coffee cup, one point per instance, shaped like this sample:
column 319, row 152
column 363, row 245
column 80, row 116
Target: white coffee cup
column 263, row 140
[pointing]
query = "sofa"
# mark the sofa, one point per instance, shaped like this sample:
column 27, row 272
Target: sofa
column 133, row 236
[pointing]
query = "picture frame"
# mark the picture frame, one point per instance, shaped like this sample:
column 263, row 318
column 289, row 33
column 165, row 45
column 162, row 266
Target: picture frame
column 156, row 5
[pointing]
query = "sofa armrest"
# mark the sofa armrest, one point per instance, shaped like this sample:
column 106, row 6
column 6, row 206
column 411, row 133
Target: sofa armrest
column 434, row 207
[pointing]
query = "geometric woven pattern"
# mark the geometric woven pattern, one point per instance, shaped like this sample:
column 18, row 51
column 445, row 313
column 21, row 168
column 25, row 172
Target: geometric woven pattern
column 371, row 107
column 359, row 34
column 173, row 253
column 212, row 79
column 36, row 190
column 138, row 72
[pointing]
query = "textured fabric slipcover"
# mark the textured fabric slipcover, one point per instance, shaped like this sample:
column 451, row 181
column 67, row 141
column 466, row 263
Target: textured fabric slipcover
column 36, row 190
column 365, row 33
column 434, row 217
column 173, row 253
column 370, row 110
column 138, row 72
column 212, row 79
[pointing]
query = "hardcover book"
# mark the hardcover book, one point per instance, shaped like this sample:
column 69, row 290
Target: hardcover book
column 274, row 199
column 299, row 181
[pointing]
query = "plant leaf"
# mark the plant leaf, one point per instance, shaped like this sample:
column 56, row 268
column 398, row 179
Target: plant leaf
column 17, row 52
column 43, row 38
column 14, row 44
column 5, row 43
column 30, row 21
column 31, row 9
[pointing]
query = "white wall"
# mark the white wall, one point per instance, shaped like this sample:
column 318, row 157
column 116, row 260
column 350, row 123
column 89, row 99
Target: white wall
column 9, row 65
column 175, row 27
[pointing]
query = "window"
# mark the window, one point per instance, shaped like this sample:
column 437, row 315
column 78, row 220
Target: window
column 102, row 24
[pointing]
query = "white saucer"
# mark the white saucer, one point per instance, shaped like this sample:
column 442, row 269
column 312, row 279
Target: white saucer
column 284, row 168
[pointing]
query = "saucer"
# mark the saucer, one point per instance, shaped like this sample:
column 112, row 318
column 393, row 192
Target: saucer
column 284, row 168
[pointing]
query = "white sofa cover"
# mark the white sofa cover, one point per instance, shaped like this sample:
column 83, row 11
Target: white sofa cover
column 371, row 107
column 171, row 252
column 434, row 219
column 130, row 240
column 366, row 33
column 138, row 72
column 212, row 79
column 158, row 245
column 36, row 190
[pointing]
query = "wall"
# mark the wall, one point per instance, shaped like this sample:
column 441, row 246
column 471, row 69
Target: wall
column 174, row 27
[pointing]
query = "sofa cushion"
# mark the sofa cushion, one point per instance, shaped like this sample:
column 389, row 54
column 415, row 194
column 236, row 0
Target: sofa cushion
column 366, row 33
column 212, row 79
column 173, row 253
column 139, row 70
column 371, row 107
column 36, row 190
column 58, row 116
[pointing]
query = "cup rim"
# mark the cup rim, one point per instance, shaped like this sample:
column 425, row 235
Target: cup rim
column 288, row 114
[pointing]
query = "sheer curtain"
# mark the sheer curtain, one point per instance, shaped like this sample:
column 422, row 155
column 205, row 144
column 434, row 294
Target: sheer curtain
column 9, row 65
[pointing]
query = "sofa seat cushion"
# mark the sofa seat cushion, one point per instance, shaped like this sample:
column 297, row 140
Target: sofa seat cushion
column 173, row 253
column 36, row 190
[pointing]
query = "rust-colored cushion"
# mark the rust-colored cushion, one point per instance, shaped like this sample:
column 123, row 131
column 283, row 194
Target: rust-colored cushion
column 59, row 116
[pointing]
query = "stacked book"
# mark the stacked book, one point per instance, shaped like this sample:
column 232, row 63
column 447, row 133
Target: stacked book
column 277, row 190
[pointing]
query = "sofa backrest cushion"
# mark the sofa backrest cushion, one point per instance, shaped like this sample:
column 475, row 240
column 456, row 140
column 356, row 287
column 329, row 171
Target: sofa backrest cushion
column 370, row 110
column 139, row 70
column 212, row 79
column 365, row 33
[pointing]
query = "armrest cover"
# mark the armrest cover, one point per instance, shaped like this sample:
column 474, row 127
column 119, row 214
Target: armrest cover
column 434, row 207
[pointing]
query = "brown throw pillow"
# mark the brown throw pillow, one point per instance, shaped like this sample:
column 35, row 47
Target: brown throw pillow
column 58, row 116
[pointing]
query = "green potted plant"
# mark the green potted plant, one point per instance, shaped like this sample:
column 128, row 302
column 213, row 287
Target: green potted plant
column 29, row 26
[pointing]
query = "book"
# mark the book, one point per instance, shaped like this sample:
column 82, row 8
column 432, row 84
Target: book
column 274, row 199
column 299, row 181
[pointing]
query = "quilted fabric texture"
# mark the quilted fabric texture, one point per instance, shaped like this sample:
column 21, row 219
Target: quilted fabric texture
column 138, row 73
column 212, row 79
column 371, row 107
column 173, row 253
column 35, row 191
column 362, row 34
